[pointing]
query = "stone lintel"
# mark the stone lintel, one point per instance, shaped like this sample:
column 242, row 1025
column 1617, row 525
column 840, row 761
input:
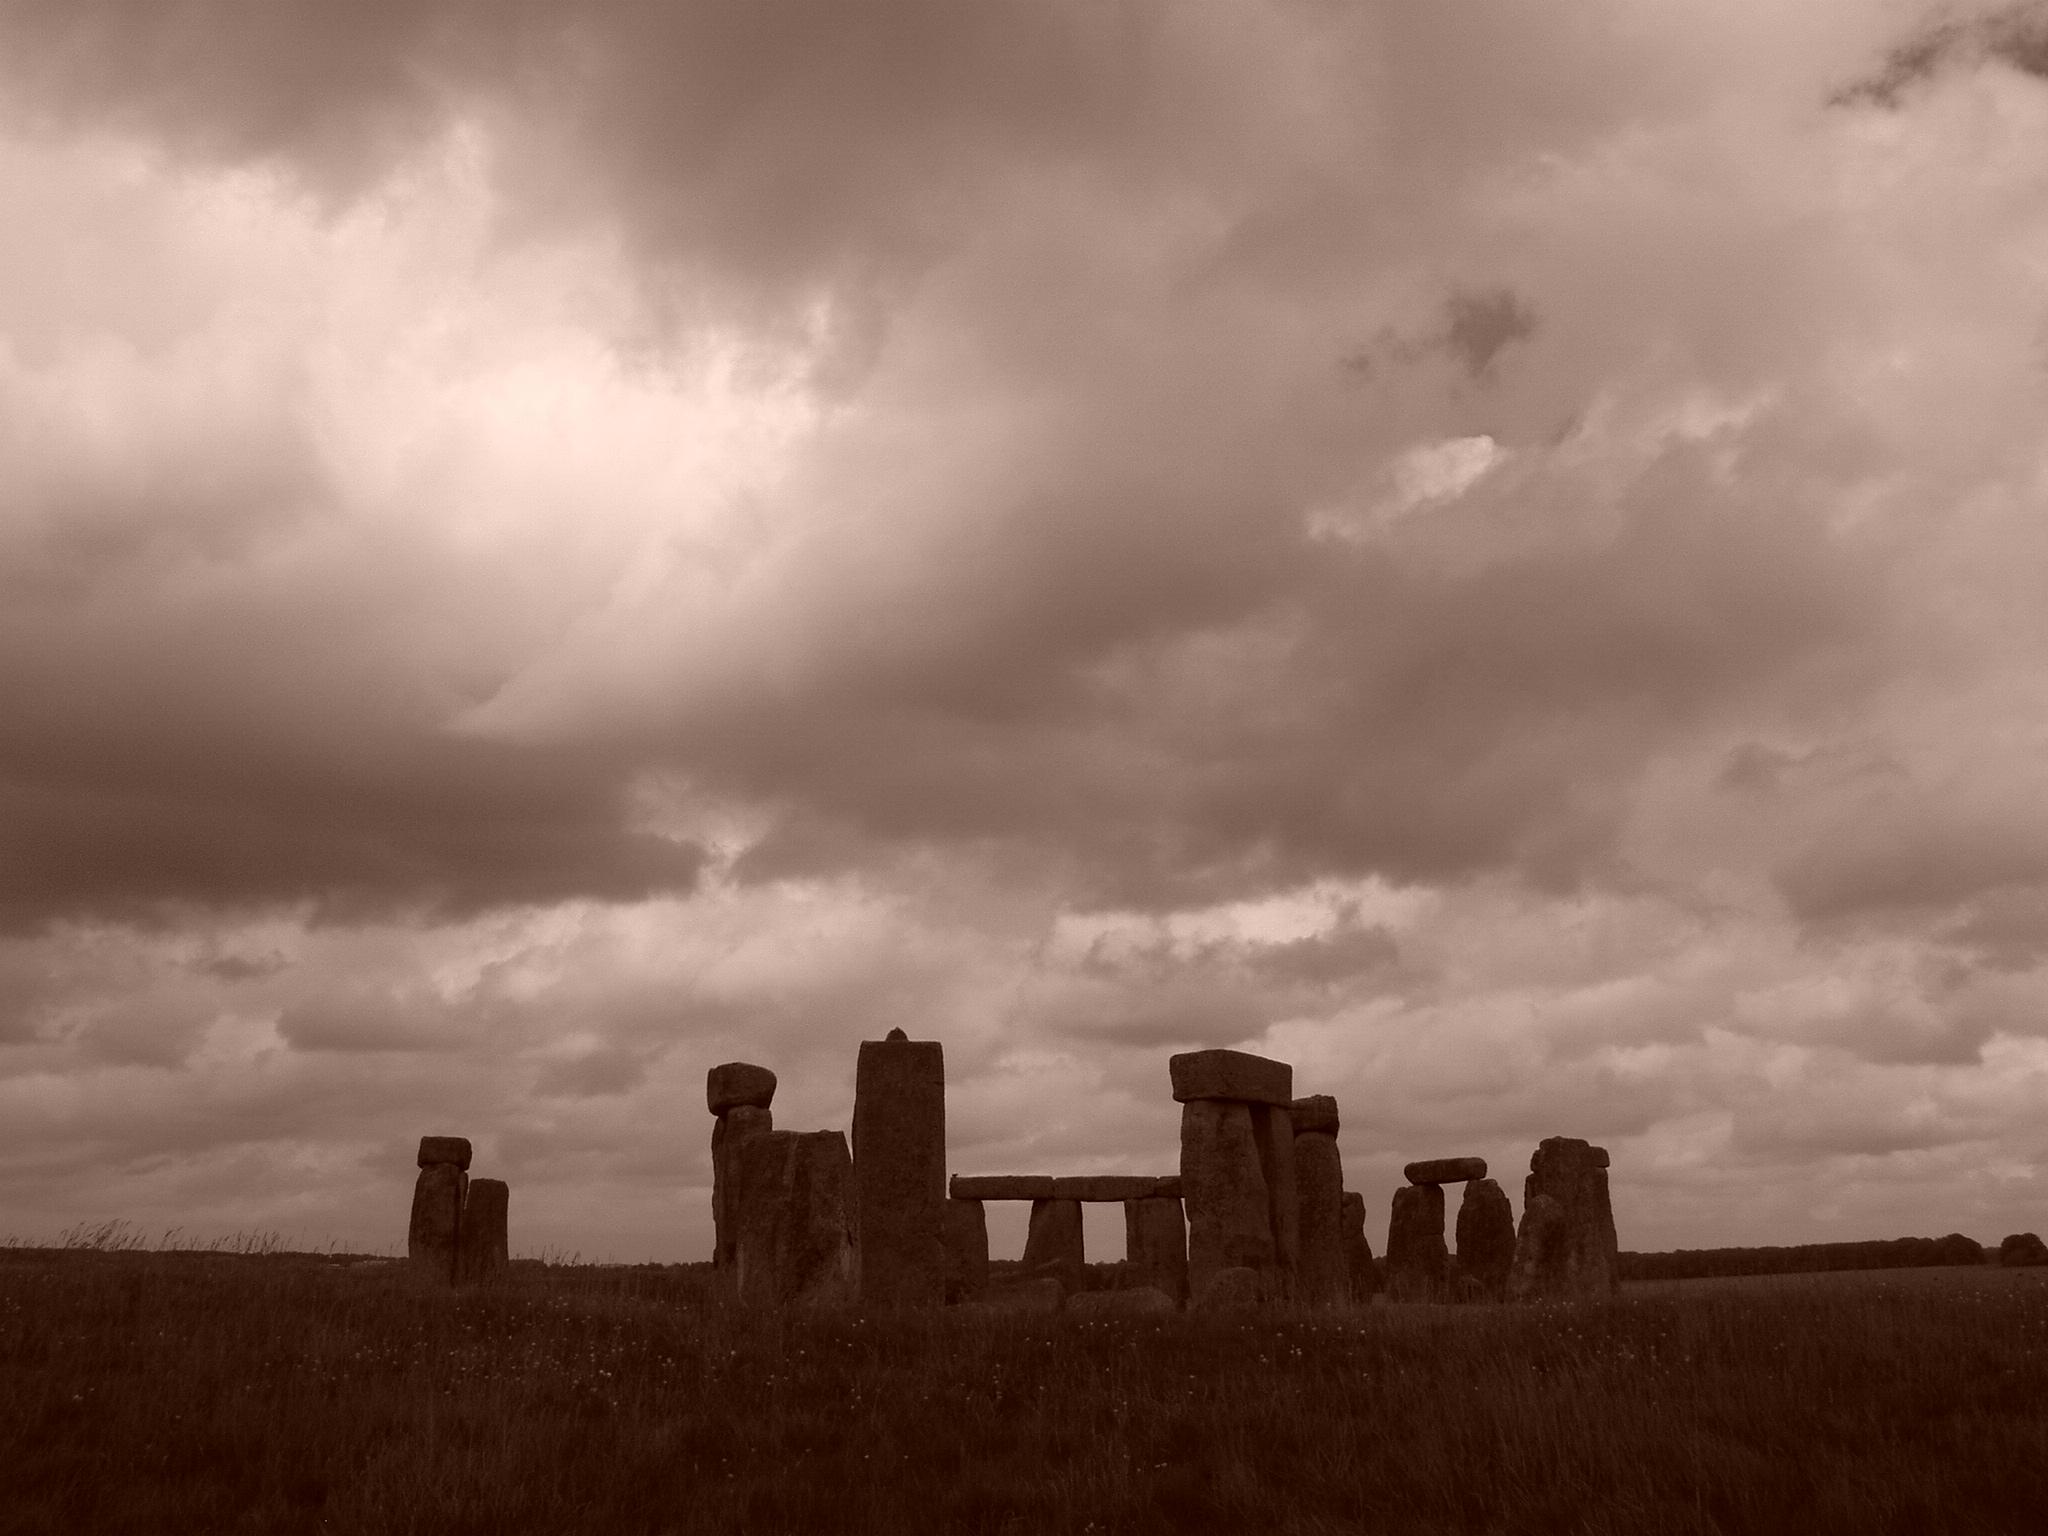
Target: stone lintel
column 1236, row 1076
column 1446, row 1170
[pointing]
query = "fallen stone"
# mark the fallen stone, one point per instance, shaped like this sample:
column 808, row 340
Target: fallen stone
column 1446, row 1170
column 1566, row 1247
column 1002, row 1186
column 1133, row 1301
column 1416, row 1257
column 736, row 1083
column 1321, row 1277
column 1229, row 1226
column 793, row 1199
column 1235, row 1075
column 1317, row 1113
column 735, row 1125
column 431, row 1235
column 1156, row 1245
column 1358, row 1263
column 1020, row 1296
column 1105, row 1187
column 1227, row 1290
column 481, row 1247
column 2022, row 1250
column 1486, row 1237
column 966, row 1249
column 899, row 1161
column 444, row 1149
column 1053, row 1241
column 1273, row 1130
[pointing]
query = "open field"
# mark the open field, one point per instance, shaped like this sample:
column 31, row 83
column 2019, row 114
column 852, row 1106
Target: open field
column 274, row 1392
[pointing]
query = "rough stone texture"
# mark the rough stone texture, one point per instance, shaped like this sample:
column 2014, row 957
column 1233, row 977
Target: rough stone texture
column 482, row 1248
column 444, row 1149
column 1317, row 1113
column 1273, row 1130
column 2023, row 1249
column 738, row 1082
column 1321, row 1278
column 1226, row 1290
column 1224, row 1190
column 1133, row 1301
column 1417, row 1261
column 1566, row 1247
column 735, row 1125
column 1486, row 1237
column 1235, row 1075
column 1002, row 1186
column 1445, row 1170
column 1022, row 1296
column 792, row 1197
column 1156, row 1245
column 1054, row 1241
column 1167, row 1188
column 1365, row 1275
column 431, row 1236
column 899, row 1165
column 966, row 1249
column 1105, row 1187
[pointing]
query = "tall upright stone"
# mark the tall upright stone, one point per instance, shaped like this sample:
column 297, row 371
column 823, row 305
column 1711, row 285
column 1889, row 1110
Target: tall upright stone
column 1417, row 1260
column 1322, row 1278
column 1224, row 1186
column 482, row 1248
column 1273, row 1130
column 899, row 1166
column 1053, row 1243
column 732, row 1127
column 1566, row 1247
column 1365, row 1275
column 793, row 1197
column 1156, row 1245
column 435, row 1226
column 1486, row 1237
column 966, row 1249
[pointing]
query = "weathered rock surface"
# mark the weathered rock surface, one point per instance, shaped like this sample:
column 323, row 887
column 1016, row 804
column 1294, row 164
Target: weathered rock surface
column 1226, row 1290
column 482, row 1247
column 1273, row 1130
column 2022, row 1250
column 735, row 1083
column 1322, row 1278
column 1358, row 1264
column 793, row 1196
column 1566, row 1247
column 899, row 1159
column 1167, row 1188
column 1156, row 1245
column 735, row 1125
column 1133, row 1301
column 1417, row 1260
column 1053, row 1241
column 432, row 1233
column 1106, row 1187
column 1044, row 1295
column 1486, row 1237
column 444, row 1149
column 1224, row 1189
column 1002, row 1186
column 966, row 1249
column 1445, row 1170
column 1317, row 1113
column 1234, row 1075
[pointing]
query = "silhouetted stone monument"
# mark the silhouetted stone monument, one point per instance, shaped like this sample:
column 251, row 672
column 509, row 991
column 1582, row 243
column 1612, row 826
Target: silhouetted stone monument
column 738, row 1093
column 482, row 1248
column 899, row 1166
column 966, row 1249
column 435, row 1226
column 792, row 1197
column 1417, row 1260
column 1566, row 1247
column 1321, row 1278
column 1237, row 1167
column 1156, row 1245
column 1486, row 1237
column 1053, row 1242
column 1365, row 1275
column 1445, row 1170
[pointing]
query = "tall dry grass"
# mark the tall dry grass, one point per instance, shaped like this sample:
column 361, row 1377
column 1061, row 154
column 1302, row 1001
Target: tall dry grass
column 151, row 1391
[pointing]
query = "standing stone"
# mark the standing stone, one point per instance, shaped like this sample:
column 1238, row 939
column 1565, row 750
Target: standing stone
column 732, row 1127
column 1321, row 1279
column 1156, row 1245
column 793, row 1201
column 1365, row 1275
column 1053, row 1243
column 1416, row 1257
column 1567, row 1246
column 1486, row 1237
column 432, row 1234
column 481, row 1248
column 966, row 1249
column 1229, row 1226
column 1273, row 1130
column 899, row 1162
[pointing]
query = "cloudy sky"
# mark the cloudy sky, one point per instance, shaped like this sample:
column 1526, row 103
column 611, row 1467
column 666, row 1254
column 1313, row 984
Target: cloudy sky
column 1492, row 550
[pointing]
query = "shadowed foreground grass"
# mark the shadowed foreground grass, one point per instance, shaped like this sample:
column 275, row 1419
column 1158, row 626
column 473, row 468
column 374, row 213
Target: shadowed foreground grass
column 276, row 1392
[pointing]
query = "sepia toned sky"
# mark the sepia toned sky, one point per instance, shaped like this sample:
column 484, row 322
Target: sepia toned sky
column 1497, row 552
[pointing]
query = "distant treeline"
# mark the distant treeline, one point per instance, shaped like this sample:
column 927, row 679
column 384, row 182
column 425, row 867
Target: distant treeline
column 1806, row 1259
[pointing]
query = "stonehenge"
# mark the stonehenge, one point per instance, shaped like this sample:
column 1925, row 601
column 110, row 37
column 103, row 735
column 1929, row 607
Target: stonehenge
column 739, row 1094
column 1486, row 1239
column 1358, row 1263
column 1566, row 1247
column 899, row 1171
column 793, row 1244
column 1237, row 1168
column 1418, row 1264
column 457, row 1229
column 966, row 1249
column 1323, row 1277
column 480, row 1244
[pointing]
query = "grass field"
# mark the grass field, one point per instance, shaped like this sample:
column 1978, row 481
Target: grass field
column 262, row 1391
